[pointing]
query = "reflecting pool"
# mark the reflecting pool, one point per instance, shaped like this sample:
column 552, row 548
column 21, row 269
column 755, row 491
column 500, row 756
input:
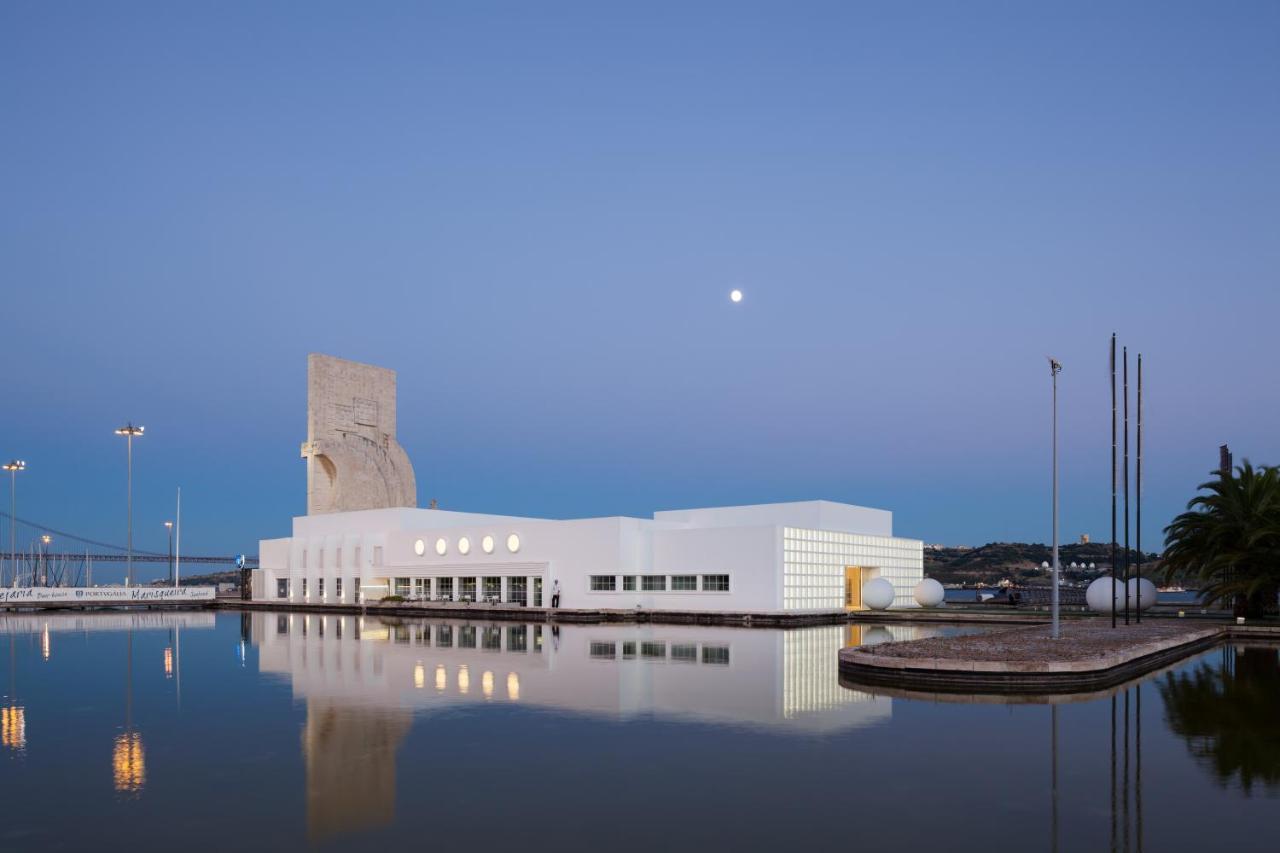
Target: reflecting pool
column 280, row 731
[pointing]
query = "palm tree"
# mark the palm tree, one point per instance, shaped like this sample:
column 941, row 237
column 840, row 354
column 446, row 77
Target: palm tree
column 1230, row 539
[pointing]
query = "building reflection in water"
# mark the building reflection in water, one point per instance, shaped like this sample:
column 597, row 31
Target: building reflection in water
column 1228, row 711
column 363, row 680
column 13, row 727
column 129, row 763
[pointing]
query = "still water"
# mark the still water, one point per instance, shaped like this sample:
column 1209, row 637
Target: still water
column 195, row 731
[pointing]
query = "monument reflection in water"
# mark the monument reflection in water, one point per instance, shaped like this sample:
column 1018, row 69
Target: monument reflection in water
column 364, row 679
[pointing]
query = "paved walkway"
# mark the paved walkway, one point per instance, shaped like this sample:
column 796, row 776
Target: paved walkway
column 1089, row 655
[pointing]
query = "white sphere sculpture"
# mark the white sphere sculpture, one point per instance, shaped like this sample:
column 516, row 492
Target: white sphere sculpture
column 929, row 593
column 877, row 594
column 1096, row 595
column 1142, row 594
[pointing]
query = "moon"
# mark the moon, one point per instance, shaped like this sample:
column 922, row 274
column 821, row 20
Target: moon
column 735, row 295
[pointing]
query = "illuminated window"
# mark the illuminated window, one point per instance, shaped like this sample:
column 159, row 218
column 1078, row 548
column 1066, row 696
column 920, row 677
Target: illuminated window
column 282, row 588
column 486, row 544
column 653, row 583
column 604, row 583
column 464, row 546
column 442, row 546
column 684, row 583
column 419, row 547
column 513, row 543
column 715, row 583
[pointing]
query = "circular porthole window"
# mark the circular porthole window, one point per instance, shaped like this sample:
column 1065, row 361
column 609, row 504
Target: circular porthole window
column 442, row 546
column 513, row 543
column 486, row 544
column 464, row 546
column 419, row 547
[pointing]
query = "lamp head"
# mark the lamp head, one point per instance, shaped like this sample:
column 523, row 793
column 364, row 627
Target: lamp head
column 130, row 429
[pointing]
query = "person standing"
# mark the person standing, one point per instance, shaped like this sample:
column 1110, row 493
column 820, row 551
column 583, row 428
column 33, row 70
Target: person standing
column 555, row 593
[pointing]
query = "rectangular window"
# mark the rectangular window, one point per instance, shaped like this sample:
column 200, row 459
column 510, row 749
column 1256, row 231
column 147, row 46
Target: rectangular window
column 653, row 583
column 282, row 588
column 493, row 589
column 518, row 590
column 304, row 587
column 653, row 650
column 444, row 588
column 604, row 650
column 402, row 587
column 468, row 589
column 337, row 588
column 467, row 637
column 320, row 588
column 603, row 583
column 718, row 655
column 715, row 583
column 491, row 638
column 422, row 587
column 629, row 583
column 444, row 636
column 684, row 583
column 684, row 652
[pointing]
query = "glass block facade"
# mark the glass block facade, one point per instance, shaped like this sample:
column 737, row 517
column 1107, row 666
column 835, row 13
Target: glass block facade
column 814, row 564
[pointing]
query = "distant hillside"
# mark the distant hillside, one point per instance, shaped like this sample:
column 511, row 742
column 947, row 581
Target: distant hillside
column 1020, row 562
column 211, row 579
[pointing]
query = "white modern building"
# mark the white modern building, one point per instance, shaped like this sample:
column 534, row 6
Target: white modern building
column 363, row 537
column 769, row 558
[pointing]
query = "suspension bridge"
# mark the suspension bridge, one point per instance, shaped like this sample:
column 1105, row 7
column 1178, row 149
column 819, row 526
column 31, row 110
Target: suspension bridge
column 36, row 561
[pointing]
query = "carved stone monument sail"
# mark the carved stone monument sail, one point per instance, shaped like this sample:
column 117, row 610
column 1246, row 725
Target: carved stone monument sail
column 353, row 459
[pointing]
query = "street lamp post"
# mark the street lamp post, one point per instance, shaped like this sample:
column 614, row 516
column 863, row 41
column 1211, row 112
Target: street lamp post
column 1055, row 367
column 13, row 467
column 44, row 559
column 168, row 525
column 129, row 431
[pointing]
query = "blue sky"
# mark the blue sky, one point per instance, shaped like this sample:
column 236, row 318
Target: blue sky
column 535, row 212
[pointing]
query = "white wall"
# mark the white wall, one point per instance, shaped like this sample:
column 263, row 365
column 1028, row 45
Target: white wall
column 819, row 515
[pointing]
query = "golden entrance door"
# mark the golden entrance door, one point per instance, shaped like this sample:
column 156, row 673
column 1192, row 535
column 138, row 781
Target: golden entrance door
column 852, row 588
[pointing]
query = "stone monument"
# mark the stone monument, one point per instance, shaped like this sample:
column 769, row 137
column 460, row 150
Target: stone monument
column 353, row 459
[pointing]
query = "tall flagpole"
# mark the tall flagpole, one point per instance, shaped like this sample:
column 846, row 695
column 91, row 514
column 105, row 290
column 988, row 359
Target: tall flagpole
column 1138, row 517
column 1126, row 484
column 177, row 548
column 1055, row 367
column 1113, row 479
